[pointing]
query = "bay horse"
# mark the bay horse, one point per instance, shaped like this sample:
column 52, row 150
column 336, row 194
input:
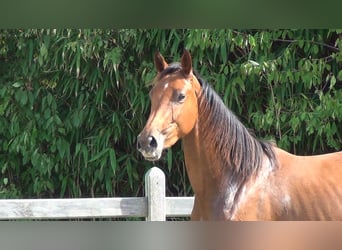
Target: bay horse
column 234, row 175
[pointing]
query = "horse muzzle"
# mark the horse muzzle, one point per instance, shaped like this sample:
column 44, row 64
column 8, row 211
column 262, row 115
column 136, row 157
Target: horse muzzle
column 150, row 146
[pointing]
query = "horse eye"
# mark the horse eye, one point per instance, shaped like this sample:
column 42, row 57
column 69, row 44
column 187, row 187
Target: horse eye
column 180, row 97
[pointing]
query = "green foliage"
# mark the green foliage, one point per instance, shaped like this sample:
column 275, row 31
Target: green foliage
column 73, row 101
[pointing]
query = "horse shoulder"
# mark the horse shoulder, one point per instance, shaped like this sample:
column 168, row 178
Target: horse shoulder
column 264, row 197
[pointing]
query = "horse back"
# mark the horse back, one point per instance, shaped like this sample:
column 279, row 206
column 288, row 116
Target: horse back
column 300, row 188
column 310, row 187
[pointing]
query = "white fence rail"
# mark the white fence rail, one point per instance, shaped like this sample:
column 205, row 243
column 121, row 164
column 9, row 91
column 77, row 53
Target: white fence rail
column 154, row 206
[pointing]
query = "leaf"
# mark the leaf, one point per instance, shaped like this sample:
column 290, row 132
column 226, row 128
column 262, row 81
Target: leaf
column 30, row 54
column 3, row 105
column 99, row 155
column 108, row 184
column 332, row 81
column 21, row 97
column 78, row 60
column 77, row 148
column 224, row 56
column 116, row 55
column 112, row 158
column 49, row 99
column 339, row 75
column 301, row 43
column 315, row 49
column 17, row 84
column 43, row 53
column 129, row 172
column 85, row 154
column 76, row 121
column 63, row 186
column 251, row 40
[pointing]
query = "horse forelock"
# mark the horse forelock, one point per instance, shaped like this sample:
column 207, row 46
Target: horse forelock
column 172, row 68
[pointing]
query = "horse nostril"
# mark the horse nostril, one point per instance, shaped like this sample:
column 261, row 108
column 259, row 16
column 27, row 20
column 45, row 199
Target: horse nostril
column 152, row 142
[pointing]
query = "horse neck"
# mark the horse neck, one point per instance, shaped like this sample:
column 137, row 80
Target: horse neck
column 207, row 172
column 203, row 168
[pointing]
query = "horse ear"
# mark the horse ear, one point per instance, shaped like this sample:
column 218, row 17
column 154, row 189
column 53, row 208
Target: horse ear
column 186, row 62
column 159, row 62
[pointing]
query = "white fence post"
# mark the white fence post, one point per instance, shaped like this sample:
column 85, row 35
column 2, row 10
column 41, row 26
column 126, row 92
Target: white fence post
column 155, row 193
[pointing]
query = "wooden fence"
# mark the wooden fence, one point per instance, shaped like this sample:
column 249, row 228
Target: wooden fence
column 154, row 206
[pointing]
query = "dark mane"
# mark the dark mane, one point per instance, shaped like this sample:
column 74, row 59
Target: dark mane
column 242, row 145
column 236, row 146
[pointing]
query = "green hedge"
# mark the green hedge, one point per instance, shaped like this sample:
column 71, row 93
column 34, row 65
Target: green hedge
column 73, row 101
